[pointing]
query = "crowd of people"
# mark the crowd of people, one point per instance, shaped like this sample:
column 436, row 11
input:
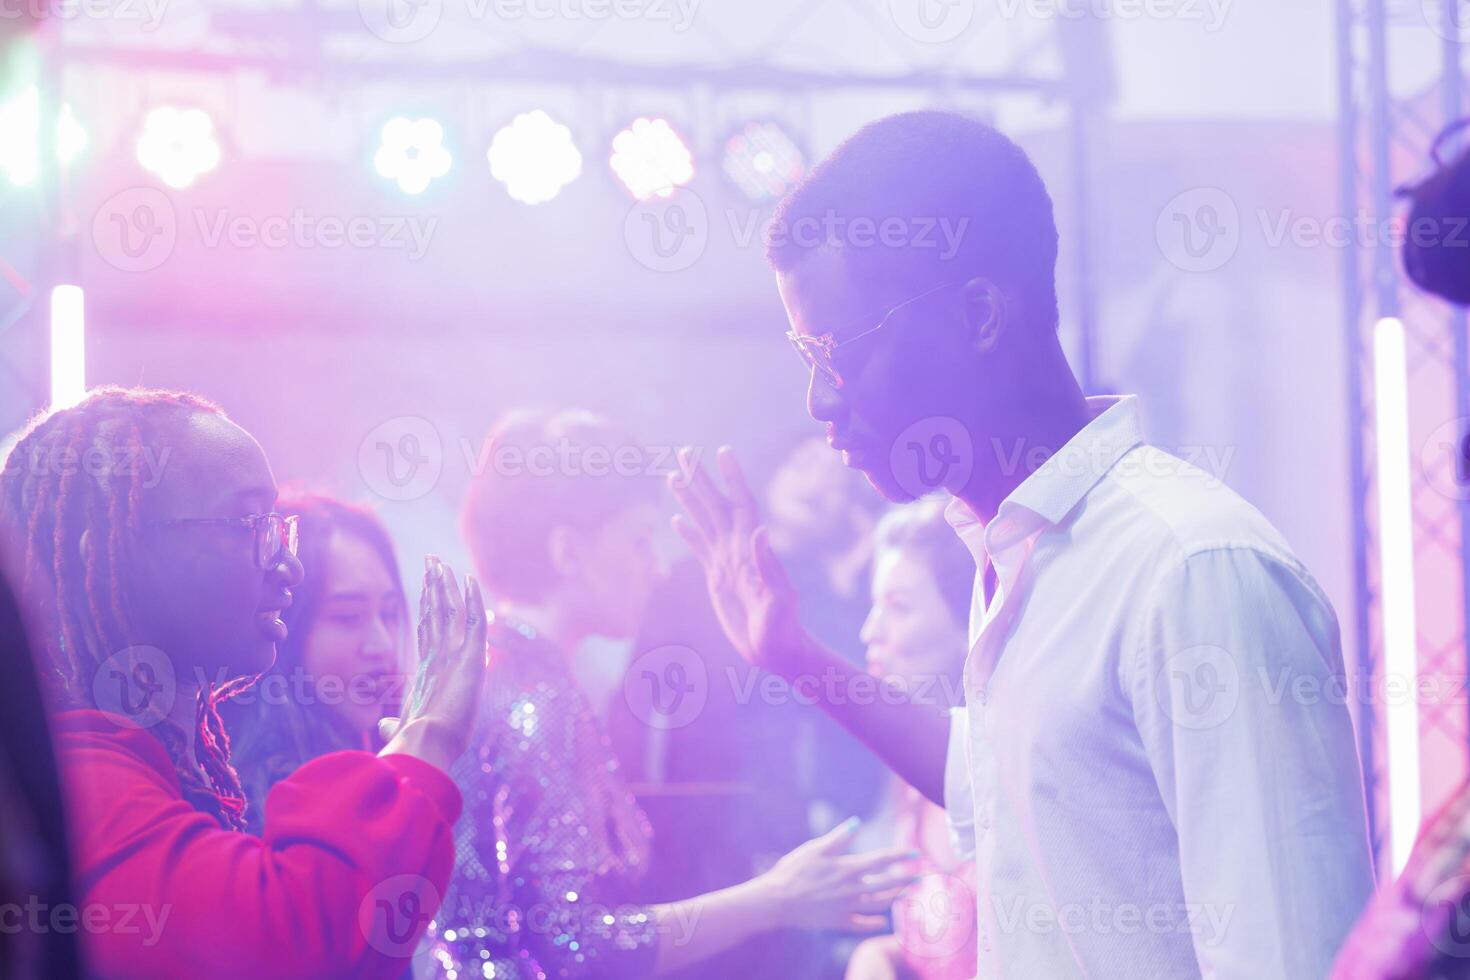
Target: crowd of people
column 256, row 758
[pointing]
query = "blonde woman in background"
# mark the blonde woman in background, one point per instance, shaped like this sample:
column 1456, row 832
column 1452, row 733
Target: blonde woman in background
column 915, row 636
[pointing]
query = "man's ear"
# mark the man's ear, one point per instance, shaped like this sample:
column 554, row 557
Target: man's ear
column 985, row 314
column 561, row 546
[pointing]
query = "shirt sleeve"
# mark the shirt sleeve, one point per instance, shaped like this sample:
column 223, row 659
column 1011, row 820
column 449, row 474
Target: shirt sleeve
column 356, row 852
column 959, row 795
column 1239, row 698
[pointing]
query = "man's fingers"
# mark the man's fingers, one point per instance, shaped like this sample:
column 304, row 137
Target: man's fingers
column 704, row 490
column 694, row 507
column 692, row 536
column 773, row 573
column 740, row 496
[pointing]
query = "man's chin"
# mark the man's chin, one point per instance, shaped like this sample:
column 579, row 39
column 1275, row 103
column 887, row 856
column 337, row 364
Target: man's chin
column 882, row 481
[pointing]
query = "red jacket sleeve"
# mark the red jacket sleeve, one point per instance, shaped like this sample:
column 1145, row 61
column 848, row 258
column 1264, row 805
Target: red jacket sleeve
column 356, row 852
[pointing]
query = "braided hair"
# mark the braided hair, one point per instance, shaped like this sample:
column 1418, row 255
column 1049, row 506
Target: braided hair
column 51, row 492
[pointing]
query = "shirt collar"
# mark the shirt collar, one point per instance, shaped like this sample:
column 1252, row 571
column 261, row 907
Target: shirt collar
column 1059, row 484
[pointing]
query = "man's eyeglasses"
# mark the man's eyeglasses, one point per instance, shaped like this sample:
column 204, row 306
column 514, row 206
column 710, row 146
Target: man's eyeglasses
column 275, row 534
column 818, row 352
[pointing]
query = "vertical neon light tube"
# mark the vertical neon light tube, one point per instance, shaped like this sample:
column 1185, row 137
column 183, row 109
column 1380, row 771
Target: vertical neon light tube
column 1396, row 562
column 68, row 347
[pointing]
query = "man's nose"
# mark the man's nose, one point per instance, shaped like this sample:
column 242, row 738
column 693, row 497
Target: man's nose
column 824, row 402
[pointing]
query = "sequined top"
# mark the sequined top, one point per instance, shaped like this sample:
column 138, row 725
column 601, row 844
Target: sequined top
column 551, row 842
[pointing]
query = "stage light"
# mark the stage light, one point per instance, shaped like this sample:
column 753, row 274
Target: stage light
column 650, row 159
column 534, row 157
column 412, row 152
column 1396, row 580
column 178, row 145
column 20, row 127
column 763, row 161
column 68, row 347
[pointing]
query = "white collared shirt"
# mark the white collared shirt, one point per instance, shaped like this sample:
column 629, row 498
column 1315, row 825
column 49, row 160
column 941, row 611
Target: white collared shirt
column 1155, row 768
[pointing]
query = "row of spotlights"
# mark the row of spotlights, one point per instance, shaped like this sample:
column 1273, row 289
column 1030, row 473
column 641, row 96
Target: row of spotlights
column 534, row 156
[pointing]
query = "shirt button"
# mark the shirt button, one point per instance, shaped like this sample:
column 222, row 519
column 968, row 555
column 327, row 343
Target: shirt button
column 982, row 695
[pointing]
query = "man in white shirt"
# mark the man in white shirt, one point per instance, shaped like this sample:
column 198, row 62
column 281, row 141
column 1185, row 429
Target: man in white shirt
column 1154, row 767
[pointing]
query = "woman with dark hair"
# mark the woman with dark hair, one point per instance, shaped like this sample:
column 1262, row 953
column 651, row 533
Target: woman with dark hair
column 339, row 670
column 153, row 566
column 553, row 846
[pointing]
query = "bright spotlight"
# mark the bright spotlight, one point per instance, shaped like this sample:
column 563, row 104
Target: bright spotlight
column 534, row 157
column 20, row 127
column 178, row 145
column 763, row 161
column 650, row 159
column 412, row 152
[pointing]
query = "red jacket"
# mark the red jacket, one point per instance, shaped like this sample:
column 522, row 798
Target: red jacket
column 356, row 852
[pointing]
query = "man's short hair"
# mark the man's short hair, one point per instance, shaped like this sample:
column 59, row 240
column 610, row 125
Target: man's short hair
column 542, row 470
column 923, row 198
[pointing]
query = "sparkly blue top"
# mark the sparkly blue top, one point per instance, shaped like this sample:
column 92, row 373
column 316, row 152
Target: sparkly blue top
column 551, row 842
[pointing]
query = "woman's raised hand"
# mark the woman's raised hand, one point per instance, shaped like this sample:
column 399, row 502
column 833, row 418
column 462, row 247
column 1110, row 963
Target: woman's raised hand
column 439, row 712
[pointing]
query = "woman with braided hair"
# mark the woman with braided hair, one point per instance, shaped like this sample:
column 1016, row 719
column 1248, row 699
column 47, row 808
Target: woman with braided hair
column 140, row 532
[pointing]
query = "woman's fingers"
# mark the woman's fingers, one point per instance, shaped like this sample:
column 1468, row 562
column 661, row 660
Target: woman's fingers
column 876, row 862
column 867, row 923
column 476, row 621
column 772, row 572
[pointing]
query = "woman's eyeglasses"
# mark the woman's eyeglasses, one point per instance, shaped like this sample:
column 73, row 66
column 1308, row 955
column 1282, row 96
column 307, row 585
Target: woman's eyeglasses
column 275, row 534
